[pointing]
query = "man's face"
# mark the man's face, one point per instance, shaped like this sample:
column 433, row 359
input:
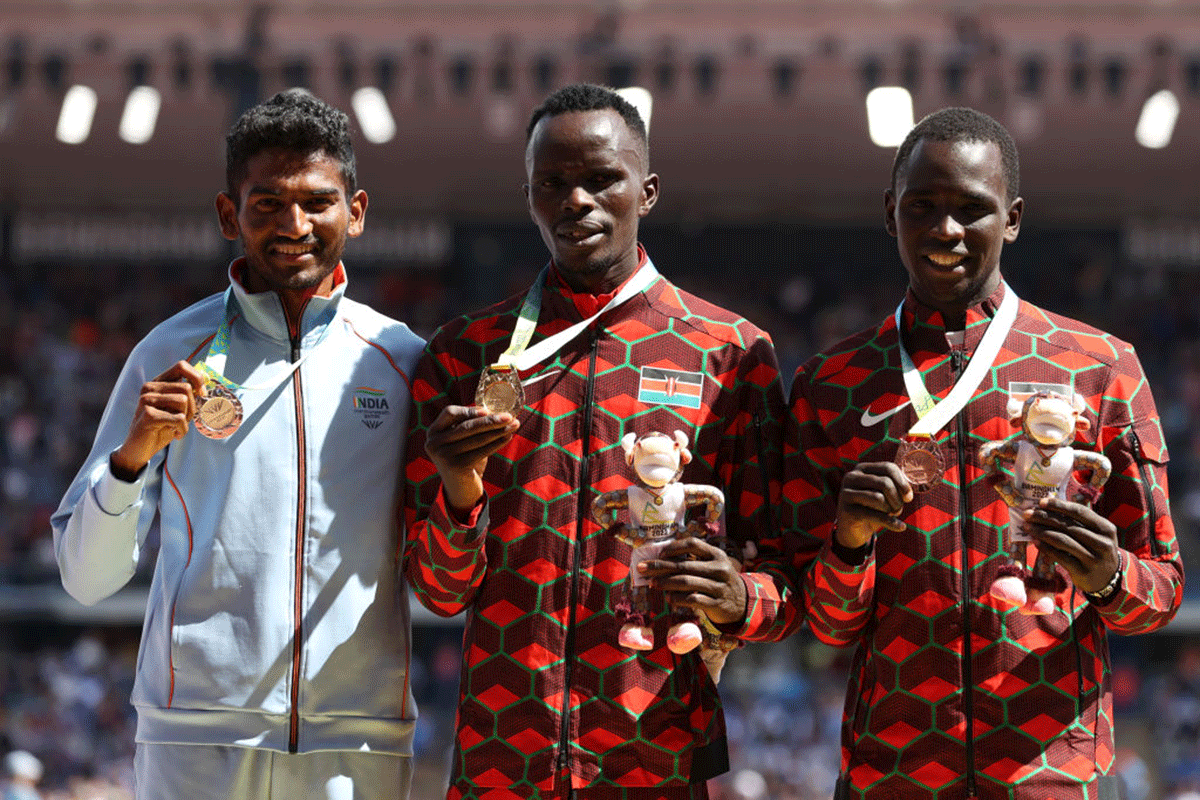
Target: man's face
column 587, row 189
column 293, row 217
column 950, row 216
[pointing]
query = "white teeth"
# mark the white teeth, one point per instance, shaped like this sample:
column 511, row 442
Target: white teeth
column 944, row 259
column 293, row 251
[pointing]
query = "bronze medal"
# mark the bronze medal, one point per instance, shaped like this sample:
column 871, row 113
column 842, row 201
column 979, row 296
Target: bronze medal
column 219, row 413
column 499, row 390
column 922, row 462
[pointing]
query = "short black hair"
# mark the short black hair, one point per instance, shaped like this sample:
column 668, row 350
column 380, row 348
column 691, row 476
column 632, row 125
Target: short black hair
column 294, row 119
column 589, row 97
column 957, row 124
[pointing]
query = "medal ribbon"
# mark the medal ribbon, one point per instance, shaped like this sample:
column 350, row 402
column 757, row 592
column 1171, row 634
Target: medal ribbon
column 932, row 415
column 213, row 364
column 519, row 357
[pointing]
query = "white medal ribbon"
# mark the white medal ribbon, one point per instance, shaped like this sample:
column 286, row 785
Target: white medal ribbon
column 520, row 356
column 932, row 415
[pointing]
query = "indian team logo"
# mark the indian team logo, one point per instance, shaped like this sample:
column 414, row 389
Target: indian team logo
column 370, row 405
column 670, row 387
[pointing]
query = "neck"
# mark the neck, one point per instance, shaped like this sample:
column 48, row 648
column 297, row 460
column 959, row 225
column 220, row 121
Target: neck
column 293, row 300
column 954, row 310
column 603, row 280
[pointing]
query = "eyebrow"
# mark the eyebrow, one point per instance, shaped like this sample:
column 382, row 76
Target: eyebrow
column 263, row 190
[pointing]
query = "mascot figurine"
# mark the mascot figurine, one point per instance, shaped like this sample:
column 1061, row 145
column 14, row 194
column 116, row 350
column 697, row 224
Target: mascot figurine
column 1040, row 462
column 656, row 507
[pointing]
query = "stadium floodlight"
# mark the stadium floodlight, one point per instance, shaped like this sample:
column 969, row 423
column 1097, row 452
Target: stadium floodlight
column 75, row 119
column 1157, row 120
column 374, row 117
column 640, row 99
column 140, row 114
column 889, row 115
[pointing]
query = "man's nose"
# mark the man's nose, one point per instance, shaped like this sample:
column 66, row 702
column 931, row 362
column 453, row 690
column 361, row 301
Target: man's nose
column 578, row 199
column 294, row 222
column 947, row 227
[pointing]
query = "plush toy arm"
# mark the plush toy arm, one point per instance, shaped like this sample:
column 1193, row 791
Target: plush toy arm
column 606, row 506
column 712, row 498
column 1101, row 468
column 994, row 456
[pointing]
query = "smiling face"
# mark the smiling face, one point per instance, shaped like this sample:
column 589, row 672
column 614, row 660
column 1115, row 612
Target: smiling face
column 588, row 187
column 951, row 217
column 293, row 216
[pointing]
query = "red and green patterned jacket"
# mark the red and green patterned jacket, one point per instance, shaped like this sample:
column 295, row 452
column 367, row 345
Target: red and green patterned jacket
column 948, row 693
column 548, row 700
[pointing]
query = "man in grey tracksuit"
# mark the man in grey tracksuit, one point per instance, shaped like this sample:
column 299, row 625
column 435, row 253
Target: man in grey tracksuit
column 258, row 431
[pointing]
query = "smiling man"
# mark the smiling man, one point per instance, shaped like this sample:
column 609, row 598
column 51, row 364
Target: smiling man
column 275, row 649
column 898, row 535
column 600, row 346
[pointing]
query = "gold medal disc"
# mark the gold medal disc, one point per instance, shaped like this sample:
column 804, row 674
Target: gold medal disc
column 219, row 413
column 499, row 390
column 922, row 463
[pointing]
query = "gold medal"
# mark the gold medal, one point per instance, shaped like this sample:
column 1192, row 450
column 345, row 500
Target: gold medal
column 219, row 413
column 499, row 390
column 922, row 462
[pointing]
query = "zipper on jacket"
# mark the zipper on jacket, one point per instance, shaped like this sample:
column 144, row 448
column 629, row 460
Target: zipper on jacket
column 301, row 516
column 582, row 513
column 1147, row 490
column 968, row 677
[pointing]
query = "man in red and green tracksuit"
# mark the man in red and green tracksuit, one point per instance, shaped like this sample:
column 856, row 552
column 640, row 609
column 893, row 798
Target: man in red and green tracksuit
column 499, row 509
column 951, row 695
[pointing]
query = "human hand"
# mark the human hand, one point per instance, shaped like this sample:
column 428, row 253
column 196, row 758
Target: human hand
column 164, row 411
column 1075, row 536
column 698, row 575
column 459, row 442
column 873, row 495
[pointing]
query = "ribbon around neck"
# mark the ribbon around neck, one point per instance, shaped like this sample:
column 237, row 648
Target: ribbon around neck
column 520, row 356
column 932, row 415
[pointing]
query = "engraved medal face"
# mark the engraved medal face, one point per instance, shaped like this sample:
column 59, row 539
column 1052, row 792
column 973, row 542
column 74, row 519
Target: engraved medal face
column 219, row 413
column 922, row 462
column 500, row 390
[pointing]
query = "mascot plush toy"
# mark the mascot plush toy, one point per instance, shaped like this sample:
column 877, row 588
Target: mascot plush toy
column 1040, row 462
column 656, row 507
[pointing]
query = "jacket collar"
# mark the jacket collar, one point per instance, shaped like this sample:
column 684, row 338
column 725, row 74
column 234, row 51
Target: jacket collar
column 925, row 327
column 264, row 312
column 588, row 304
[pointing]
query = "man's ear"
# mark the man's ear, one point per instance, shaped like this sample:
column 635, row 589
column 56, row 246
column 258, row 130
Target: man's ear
column 1012, row 224
column 649, row 194
column 227, row 212
column 889, row 211
column 358, row 213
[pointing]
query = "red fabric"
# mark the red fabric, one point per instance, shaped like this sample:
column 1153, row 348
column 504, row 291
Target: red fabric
column 946, row 686
column 542, row 666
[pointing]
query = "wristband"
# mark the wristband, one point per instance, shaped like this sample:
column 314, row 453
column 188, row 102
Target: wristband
column 1105, row 594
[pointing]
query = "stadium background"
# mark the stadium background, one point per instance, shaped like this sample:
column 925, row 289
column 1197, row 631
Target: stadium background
column 771, row 205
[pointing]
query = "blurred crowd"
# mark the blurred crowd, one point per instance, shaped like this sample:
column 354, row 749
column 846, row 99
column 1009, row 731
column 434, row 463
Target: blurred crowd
column 65, row 331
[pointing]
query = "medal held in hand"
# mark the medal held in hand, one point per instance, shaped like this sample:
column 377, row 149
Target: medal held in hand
column 922, row 462
column 218, row 413
column 499, row 389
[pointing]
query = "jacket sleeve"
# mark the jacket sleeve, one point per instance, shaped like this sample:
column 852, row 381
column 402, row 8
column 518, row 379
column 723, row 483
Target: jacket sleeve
column 750, row 463
column 445, row 559
column 102, row 521
column 798, row 576
column 1135, row 499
